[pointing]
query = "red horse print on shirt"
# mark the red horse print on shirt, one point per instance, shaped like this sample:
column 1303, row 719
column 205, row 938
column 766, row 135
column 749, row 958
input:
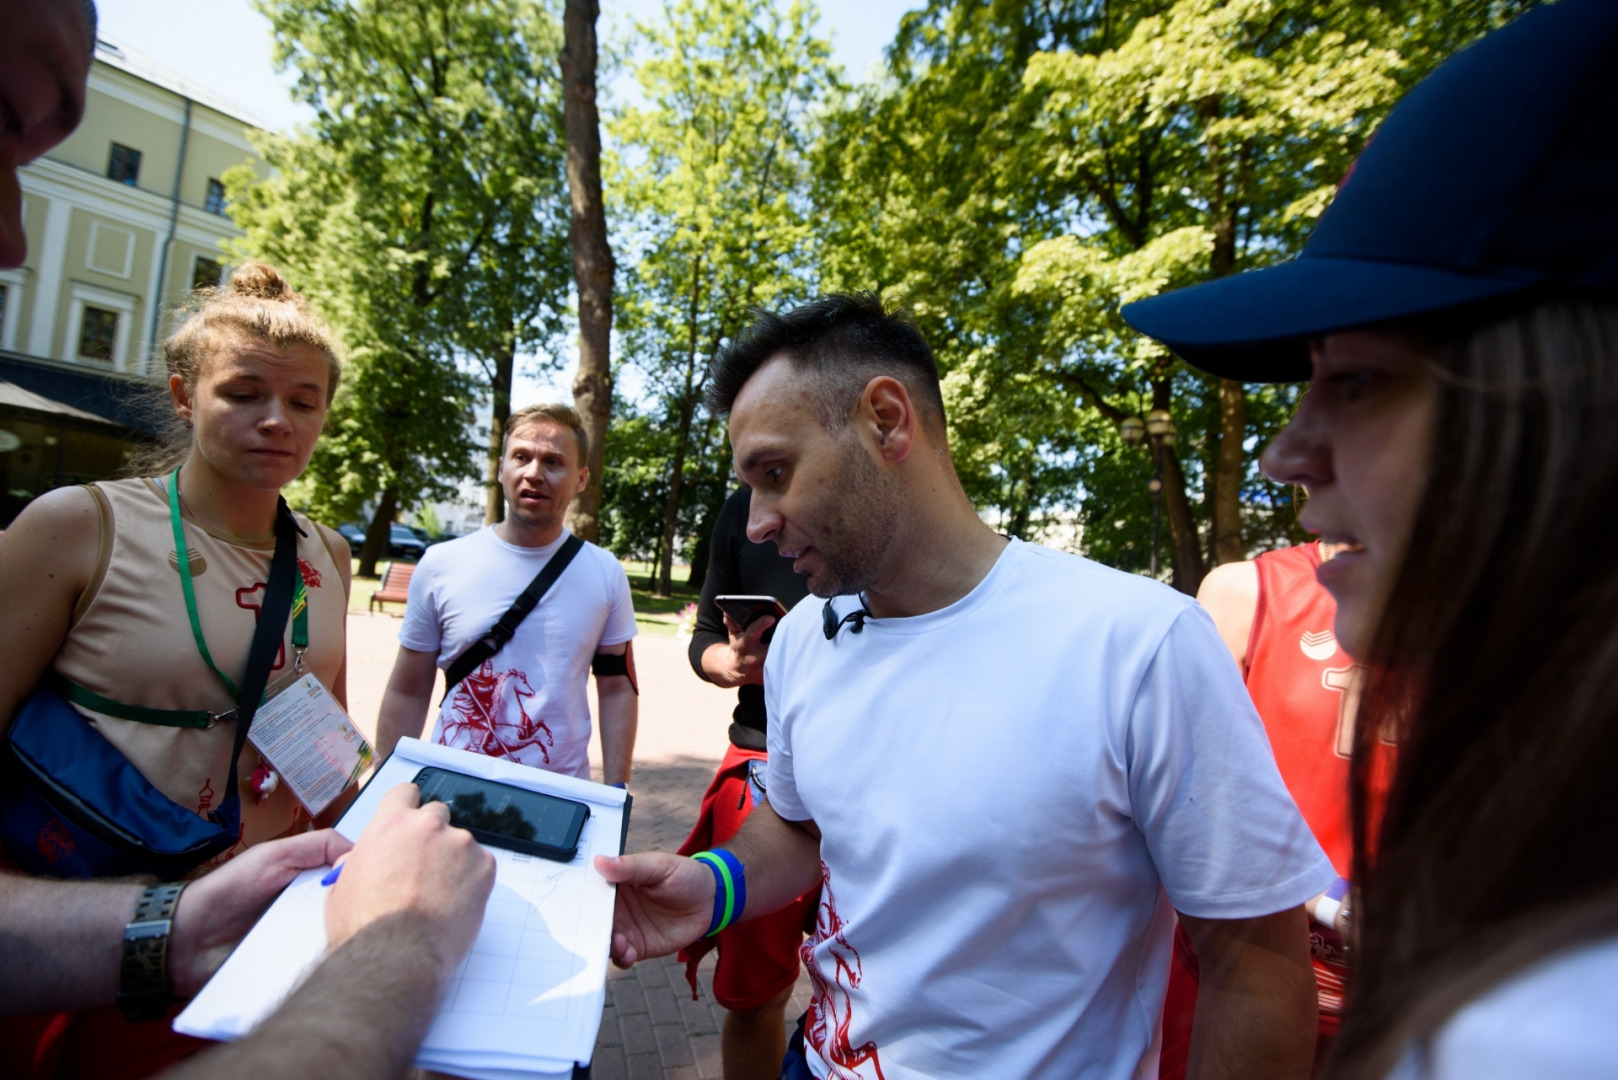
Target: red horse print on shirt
column 488, row 714
column 831, row 1011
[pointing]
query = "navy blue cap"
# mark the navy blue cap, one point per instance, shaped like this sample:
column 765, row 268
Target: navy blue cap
column 1496, row 175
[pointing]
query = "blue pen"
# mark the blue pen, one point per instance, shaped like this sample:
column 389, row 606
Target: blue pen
column 331, row 875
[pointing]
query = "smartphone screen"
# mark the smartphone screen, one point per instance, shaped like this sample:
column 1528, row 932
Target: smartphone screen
column 505, row 816
column 744, row 609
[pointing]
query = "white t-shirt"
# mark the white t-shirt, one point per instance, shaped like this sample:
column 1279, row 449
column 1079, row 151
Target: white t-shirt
column 528, row 702
column 1557, row 1019
column 1005, row 788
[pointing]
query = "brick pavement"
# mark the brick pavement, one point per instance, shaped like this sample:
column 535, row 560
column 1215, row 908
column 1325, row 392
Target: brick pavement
column 650, row 1026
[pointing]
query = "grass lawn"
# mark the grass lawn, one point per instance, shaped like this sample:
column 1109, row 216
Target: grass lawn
column 653, row 614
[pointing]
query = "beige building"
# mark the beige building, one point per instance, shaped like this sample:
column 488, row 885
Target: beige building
column 123, row 219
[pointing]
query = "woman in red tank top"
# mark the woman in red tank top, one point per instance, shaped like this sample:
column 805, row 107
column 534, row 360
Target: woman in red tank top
column 1456, row 315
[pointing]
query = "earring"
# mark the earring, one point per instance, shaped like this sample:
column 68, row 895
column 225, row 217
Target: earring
column 188, row 423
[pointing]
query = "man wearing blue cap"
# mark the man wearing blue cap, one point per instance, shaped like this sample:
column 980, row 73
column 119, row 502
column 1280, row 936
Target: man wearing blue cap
column 1456, row 313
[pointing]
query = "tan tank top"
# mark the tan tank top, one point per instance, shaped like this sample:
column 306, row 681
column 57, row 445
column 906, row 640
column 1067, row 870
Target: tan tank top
column 131, row 641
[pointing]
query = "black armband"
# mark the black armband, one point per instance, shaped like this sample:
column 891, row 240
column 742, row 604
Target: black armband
column 608, row 664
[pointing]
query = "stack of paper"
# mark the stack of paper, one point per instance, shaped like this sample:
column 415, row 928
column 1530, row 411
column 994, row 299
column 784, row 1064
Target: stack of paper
column 528, row 999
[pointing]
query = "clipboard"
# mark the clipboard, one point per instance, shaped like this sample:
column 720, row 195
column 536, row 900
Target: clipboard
column 526, row 1002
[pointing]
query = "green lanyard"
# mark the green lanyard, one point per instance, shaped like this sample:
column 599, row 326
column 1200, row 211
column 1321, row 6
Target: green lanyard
column 300, row 597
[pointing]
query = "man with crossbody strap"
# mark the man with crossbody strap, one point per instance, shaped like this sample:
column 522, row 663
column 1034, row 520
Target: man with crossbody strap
column 521, row 694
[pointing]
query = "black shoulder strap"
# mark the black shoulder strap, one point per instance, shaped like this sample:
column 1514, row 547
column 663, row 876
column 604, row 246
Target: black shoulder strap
column 272, row 624
column 501, row 632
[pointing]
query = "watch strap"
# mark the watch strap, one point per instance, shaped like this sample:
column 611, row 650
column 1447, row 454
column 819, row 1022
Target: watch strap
column 143, row 973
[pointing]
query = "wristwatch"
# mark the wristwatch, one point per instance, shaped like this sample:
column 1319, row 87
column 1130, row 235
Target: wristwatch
column 143, row 975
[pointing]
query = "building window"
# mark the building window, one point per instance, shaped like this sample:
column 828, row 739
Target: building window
column 206, row 273
column 215, row 202
column 5, row 294
column 98, row 331
column 124, row 165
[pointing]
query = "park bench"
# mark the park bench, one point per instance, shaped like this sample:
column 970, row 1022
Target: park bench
column 395, row 584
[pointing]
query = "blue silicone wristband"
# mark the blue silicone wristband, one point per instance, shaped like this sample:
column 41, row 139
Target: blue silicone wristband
column 730, row 888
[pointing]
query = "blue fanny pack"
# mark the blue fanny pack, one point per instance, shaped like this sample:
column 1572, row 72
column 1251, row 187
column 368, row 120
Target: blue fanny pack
column 75, row 807
column 71, row 804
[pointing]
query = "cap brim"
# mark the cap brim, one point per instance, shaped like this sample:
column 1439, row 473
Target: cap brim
column 1255, row 327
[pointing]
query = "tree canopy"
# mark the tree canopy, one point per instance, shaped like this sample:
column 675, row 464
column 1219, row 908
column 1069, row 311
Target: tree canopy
column 710, row 181
column 1028, row 168
column 422, row 210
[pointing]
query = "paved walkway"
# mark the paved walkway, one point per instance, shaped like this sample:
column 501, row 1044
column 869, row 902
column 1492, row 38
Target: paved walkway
column 651, row 1027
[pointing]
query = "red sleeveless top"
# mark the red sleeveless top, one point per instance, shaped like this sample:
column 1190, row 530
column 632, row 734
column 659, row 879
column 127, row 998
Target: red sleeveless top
column 1299, row 679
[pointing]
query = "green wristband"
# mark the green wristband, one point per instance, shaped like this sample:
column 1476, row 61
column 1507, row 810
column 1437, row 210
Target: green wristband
column 730, row 888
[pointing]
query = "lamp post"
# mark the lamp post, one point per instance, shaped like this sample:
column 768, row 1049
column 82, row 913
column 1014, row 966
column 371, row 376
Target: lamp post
column 1158, row 428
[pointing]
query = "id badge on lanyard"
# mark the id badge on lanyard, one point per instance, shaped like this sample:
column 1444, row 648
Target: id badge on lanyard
column 307, row 737
column 301, row 731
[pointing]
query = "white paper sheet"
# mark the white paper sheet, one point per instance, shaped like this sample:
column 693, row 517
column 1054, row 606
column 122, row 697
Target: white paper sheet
column 526, row 1001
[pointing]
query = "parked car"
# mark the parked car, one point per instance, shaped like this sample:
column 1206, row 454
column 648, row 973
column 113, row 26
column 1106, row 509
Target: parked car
column 402, row 543
column 354, row 535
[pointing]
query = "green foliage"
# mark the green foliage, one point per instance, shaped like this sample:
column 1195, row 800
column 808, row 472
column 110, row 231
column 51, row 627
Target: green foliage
column 422, row 212
column 710, row 187
column 1027, row 168
column 634, row 489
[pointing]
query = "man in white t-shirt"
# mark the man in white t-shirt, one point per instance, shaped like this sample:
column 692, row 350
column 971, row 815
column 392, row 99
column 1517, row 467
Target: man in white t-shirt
column 1009, row 766
column 528, row 702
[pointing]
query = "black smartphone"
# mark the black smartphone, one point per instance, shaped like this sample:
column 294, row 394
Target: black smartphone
column 744, row 609
column 507, row 817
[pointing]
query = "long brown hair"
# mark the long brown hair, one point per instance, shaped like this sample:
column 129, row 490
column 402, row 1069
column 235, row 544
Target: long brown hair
column 1493, row 665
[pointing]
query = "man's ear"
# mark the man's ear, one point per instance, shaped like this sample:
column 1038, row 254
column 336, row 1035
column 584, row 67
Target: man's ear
column 886, row 409
column 584, row 479
column 183, row 406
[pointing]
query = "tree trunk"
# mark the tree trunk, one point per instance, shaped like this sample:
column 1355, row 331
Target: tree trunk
column 592, row 255
column 702, row 550
column 1188, row 569
column 1227, row 487
column 1187, row 561
column 376, row 534
column 671, row 513
column 657, row 560
column 1022, row 503
column 494, row 498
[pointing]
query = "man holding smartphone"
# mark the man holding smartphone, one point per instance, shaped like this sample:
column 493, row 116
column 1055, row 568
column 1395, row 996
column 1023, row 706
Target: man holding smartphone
column 758, row 960
column 1007, row 766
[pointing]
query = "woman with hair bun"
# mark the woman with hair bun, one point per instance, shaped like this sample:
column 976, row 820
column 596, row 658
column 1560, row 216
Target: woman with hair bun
column 95, row 588
column 91, row 574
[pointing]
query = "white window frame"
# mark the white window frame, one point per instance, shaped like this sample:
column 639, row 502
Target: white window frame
column 96, row 228
column 16, row 288
column 80, row 296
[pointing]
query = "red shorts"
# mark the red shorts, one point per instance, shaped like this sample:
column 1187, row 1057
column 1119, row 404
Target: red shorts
column 97, row 1044
column 758, row 959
